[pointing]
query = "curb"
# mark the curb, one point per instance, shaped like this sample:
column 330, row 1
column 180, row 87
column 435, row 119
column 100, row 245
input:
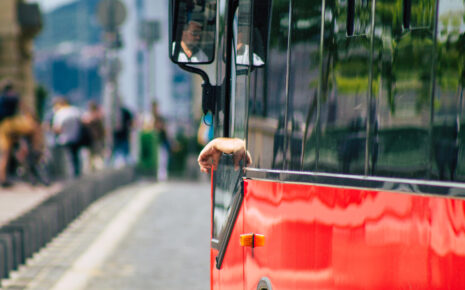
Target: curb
column 27, row 234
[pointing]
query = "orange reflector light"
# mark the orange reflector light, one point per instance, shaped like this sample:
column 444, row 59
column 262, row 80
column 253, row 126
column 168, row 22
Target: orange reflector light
column 252, row 240
column 247, row 240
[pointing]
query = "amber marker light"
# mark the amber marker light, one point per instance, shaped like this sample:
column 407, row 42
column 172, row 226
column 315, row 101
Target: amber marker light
column 252, row 240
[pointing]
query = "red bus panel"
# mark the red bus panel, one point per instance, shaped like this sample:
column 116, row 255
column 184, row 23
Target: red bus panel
column 321, row 237
column 231, row 274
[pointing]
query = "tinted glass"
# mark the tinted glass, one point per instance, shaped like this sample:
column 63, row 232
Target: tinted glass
column 402, row 82
column 240, row 69
column 227, row 178
column 252, row 32
column 344, row 88
column 221, row 79
column 304, row 83
column 194, row 25
column 448, row 135
column 227, row 185
column 268, row 94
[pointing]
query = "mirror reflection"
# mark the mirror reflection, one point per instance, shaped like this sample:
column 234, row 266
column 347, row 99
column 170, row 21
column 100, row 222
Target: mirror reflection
column 251, row 23
column 193, row 37
column 243, row 49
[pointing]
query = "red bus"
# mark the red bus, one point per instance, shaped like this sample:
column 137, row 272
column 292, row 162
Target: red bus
column 352, row 113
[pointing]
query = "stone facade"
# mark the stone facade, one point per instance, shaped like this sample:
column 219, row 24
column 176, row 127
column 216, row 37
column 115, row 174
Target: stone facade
column 18, row 26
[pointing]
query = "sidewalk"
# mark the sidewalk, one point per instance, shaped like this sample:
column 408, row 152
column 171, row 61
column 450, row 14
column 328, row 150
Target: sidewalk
column 23, row 197
column 31, row 216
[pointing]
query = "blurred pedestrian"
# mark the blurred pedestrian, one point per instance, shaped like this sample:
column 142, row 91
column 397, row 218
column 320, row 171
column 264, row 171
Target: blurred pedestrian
column 16, row 122
column 121, row 135
column 67, row 127
column 164, row 147
column 92, row 119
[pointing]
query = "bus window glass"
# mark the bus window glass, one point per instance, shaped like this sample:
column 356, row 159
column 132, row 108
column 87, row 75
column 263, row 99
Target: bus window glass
column 221, row 66
column 242, row 34
column 303, row 84
column 344, row 91
column 227, row 177
column 193, row 38
column 227, row 185
column 252, row 32
column 418, row 14
column 448, row 135
column 240, row 69
column 268, row 92
column 402, row 98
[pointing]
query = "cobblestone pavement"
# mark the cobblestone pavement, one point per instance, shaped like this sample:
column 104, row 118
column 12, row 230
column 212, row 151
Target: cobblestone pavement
column 165, row 246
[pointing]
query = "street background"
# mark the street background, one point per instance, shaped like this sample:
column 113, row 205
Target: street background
column 101, row 227
column 142, row 236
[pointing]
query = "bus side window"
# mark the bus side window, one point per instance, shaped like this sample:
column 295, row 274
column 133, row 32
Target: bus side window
column 448, row 134
column 417, row 14
column 357, row 16
column 403, row 75
column 260, row 28
column 304, row 84
column 340, row 133
column 267, row 99
column 252, row 32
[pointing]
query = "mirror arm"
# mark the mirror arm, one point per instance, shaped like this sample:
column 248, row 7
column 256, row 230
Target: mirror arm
column 209, row 92
column 209, row 95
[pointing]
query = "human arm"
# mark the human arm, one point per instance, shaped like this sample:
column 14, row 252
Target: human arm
column 211, row 153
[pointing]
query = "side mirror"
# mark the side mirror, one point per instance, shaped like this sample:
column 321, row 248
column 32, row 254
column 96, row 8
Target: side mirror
column 192, row 31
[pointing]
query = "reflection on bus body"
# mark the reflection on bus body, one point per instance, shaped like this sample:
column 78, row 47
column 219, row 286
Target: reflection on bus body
column 243, row 51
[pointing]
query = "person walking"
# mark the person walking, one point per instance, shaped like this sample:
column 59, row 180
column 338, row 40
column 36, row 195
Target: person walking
column 92, row 119
column 15, row 122
column 67, row 127
column 164, row 147
column 121, row 148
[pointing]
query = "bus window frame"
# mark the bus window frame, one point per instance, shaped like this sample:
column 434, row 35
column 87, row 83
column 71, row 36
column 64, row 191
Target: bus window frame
column 221, row 244
column 224, row 236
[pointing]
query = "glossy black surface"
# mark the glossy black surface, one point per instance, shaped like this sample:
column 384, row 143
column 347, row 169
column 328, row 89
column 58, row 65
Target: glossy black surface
column 266, row 123
column 304, row 84
column 377, row 95
column 402, row 99
column 240, row 68
column 448, row 154
column 345, row 89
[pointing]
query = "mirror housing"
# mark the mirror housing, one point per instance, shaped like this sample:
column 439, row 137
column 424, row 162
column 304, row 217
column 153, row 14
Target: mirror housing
column 192, row 31
column 195, row 18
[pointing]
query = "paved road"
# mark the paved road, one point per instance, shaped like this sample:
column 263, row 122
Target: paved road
column 144, row 236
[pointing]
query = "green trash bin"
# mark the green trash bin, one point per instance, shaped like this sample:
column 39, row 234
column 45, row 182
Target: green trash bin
column 148, row 153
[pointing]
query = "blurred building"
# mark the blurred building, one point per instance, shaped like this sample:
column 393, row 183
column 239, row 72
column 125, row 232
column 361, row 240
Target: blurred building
column 20, row 22
column 69, row 52
column 148, row 73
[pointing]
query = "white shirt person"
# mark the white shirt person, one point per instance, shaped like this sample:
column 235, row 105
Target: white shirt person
column 189, row 51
